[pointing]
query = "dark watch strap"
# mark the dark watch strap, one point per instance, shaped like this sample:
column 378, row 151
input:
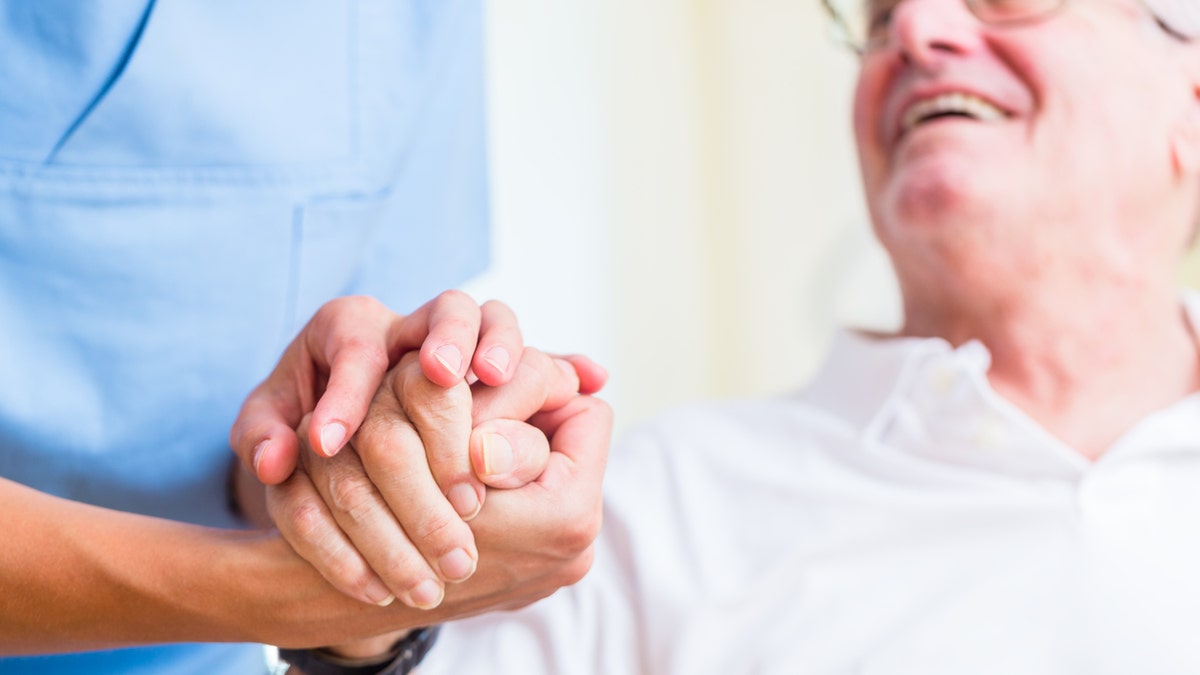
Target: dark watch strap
column 405, row 655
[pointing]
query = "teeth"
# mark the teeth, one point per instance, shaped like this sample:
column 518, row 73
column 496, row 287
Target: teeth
column 964, row 104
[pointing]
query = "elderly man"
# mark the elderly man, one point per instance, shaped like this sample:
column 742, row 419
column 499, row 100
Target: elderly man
column 1008, row 485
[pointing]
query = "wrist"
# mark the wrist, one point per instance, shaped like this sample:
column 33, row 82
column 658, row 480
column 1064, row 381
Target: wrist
column 367, row 649
column 283, row 601
column 400, row 659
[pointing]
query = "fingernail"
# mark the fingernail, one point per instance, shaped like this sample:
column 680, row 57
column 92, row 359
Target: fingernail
column 465, row 500
column 332, row 437
column 499, row 358
column 426, row 595
column 497, row 454
column 456, row 565
column 258, row 452
column 449, row 357
column 378, row 594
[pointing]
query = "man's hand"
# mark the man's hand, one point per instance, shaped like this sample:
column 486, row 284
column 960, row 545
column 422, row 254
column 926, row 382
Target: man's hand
column 335, row 365
column 538, row 538
column 532, row 541
column 373, row 519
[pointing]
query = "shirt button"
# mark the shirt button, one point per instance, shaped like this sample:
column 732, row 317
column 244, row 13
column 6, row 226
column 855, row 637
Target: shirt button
column 990, row 433
column 942, row 379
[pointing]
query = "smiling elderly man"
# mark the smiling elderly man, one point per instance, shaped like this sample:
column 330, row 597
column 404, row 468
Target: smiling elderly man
column 1009, row 484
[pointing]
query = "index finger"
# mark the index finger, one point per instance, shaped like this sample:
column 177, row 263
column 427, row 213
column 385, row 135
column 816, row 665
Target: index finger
column 331, row 369
column 500, row 344
column 447, row 330
column 351, row 338
column 539, row 383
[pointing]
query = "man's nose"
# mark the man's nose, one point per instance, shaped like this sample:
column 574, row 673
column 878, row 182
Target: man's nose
column 928, row 31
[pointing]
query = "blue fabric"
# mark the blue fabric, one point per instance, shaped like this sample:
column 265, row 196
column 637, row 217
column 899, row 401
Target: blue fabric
column 182, row 183
column 188, row 658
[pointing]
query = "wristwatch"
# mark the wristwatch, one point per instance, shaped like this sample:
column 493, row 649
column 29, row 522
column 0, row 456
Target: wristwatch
column 405, row 655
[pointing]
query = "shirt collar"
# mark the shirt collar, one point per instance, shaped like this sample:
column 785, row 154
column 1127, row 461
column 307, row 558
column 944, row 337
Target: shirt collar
column 924, row 397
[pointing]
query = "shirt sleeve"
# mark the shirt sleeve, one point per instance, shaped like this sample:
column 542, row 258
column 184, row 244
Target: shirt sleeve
column 586, row 629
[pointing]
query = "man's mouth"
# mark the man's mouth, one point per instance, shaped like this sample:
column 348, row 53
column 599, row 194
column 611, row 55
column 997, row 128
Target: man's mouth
column 955, row 104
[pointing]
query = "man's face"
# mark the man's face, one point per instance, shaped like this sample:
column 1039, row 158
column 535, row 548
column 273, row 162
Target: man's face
column 977, row 138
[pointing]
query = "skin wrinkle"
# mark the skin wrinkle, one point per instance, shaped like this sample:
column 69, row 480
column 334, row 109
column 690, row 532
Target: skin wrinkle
column 1024, row 274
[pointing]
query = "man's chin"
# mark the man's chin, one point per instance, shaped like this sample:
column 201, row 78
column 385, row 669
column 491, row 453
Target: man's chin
column 939, row 190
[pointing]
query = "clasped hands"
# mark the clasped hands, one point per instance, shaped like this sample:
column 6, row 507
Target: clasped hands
column 394, row 476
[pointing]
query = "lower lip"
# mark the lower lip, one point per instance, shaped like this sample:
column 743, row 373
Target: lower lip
column 941, row 120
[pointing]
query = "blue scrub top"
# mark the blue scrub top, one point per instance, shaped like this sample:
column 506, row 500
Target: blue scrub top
column 182, row 183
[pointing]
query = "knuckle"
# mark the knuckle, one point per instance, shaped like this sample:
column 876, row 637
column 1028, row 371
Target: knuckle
column 402, row 571
column 377, row 429
column 575, row 570
column 373, row 354
column 456, row 397
column 317, row 539
column 353, row 495
column 537, row 360
column 415, row 388
column 454, row 297
column 331, row 309
column 410, row 382
column 306, row 521
column 352, row 307
column 353, row 304
column 603, row 407
column 435, row 531
column 347, row 572
column 501, row 316
column 409, row 363
column 494, row 305
column 602, row 410
column 543, row 371
column 429, row 404
column 459, row 325
column 539, row 369
column 577, row 532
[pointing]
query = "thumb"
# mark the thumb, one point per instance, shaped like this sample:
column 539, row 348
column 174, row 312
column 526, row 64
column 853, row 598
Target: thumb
column 507, row 453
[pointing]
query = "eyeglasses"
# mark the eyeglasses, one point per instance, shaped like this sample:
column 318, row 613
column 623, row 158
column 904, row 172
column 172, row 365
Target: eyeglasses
column 863, row 25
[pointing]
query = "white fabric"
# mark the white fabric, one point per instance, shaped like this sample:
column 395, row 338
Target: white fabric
column 896, row 517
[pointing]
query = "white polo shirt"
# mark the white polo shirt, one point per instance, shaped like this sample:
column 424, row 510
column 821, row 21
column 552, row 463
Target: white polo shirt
column 898, row 516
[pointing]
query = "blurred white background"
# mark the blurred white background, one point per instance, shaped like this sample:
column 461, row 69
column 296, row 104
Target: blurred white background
column 675, row 192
